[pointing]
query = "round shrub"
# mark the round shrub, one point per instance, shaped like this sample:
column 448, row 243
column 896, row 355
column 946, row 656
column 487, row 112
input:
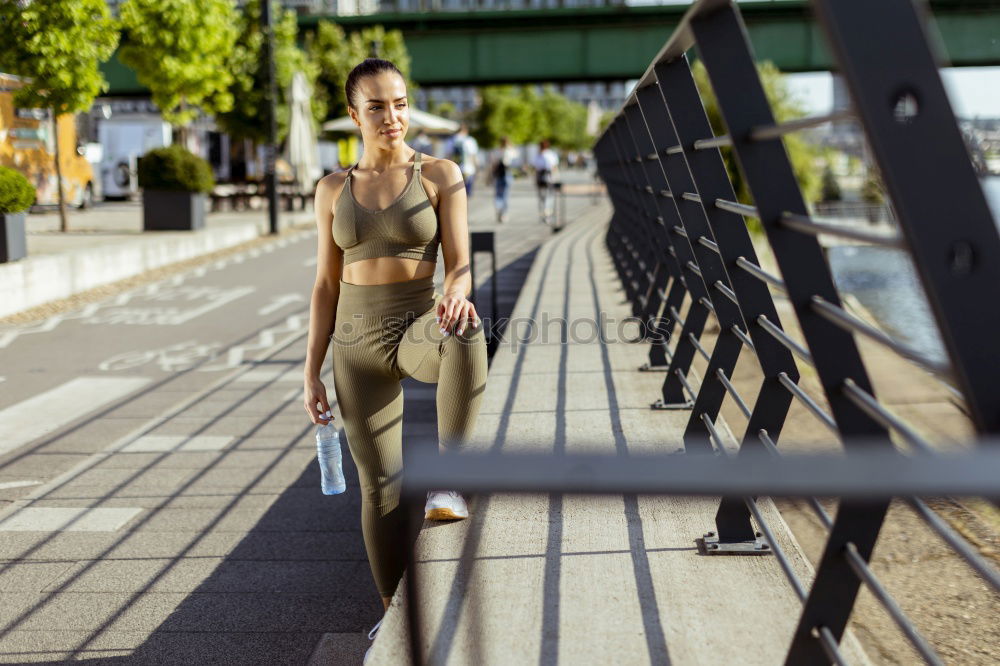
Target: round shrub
column 16, row 192
column 175, row 168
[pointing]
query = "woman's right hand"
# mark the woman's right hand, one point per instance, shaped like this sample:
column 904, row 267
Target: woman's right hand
column 316, row 403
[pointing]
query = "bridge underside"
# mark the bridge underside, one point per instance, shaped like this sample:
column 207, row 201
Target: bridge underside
column 616, row 43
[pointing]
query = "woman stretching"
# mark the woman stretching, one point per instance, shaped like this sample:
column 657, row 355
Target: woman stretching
column 379, row 227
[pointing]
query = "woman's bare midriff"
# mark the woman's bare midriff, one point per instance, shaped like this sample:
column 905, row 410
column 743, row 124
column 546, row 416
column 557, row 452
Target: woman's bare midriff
column 384, row 270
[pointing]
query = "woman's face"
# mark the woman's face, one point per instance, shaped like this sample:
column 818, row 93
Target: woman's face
column 382, row 110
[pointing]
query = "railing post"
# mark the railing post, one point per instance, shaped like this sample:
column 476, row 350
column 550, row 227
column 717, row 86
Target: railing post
column 710, row 181
column 775, row 190
column 666, row 260
column 664, row 214
column 901, row 102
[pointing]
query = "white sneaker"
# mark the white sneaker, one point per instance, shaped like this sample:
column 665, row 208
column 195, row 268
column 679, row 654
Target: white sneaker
column 445, row 505
column 371, row 637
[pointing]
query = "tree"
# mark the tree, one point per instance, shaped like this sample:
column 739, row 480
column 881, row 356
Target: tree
column 336, row 53
column 567, row 120
column 180, row 50
column 248, row 117
column 58, row 45
column 785, row 107
column 502, row 112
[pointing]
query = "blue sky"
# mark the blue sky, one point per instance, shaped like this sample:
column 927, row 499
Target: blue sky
column 973, row 91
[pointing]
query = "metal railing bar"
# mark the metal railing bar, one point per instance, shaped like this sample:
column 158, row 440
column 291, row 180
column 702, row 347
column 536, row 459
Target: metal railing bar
column 711, row 245
column 733, row 392
column 691, row 196
column 694, row 268
column 830, row 646
column 707, row 303
column 667, row 194
column 738, row 208
column 765, row 132
column 783, row 338
column 714, row 142
column 759, row 273
column 677, row 316
column 726, row 291
column 813, row 503
column 679, row 230
column 744, row 338
column 956, row 541
column 867, row 402
column 698, row 347
column 774, row 546
column 809, row 403
column 851, row 323
column 869, row 472
column 808, row 225
column 673, row 150
column 684, row 383
column 864, row 573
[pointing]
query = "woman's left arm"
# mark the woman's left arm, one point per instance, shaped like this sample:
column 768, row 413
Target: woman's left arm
column 454, row 310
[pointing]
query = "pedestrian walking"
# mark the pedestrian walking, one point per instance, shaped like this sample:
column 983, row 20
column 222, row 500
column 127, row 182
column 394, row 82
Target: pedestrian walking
column 502, row 170
column 374, row 296
column 465, row 152
column 546, row 166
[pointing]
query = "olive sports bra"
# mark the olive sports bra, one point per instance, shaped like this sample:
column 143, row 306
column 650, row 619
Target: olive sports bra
column 408, row 227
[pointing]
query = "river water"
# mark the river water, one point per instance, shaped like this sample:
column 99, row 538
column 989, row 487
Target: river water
column 884, row 280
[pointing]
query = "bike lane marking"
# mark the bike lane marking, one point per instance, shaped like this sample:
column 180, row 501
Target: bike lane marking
column 50, row 410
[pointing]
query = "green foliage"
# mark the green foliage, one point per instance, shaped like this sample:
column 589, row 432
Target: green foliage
column 175, row 168
column 180, row 50
column 58, row 44
column 527, row 117
column 336, row 53
column 784, row 107
column 872, row 190
column 503, row 111
column 248, row 118
column 16, row 192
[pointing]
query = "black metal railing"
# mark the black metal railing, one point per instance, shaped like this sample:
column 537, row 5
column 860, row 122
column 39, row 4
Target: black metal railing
column 678, row 236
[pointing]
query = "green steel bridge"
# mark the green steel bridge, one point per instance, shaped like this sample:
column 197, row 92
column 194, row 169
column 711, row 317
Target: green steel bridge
column 612, row 43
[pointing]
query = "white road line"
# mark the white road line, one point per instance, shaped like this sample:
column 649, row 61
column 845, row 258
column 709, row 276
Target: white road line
column 67, row 519
column 41, row 414
column 17, row 484
column 278, row 302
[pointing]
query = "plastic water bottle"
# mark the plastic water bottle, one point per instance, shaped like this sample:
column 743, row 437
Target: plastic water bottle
column 331, row 465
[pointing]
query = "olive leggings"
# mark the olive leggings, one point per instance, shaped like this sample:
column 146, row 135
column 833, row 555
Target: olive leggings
column 383, row 333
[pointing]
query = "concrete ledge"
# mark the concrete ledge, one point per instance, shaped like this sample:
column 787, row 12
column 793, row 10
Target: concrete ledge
column 41, row 278
column 589, row 579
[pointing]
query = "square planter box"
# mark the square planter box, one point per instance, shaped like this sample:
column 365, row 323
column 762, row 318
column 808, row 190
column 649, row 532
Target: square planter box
column 173, row 211
column 13, row 243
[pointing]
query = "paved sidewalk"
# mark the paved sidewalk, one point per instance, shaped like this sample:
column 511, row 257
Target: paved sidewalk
column 159, row 497
column 590, row 580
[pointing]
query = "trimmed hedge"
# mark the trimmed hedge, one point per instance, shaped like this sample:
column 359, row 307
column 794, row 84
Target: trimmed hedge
column 175, row 168
column 16, row 192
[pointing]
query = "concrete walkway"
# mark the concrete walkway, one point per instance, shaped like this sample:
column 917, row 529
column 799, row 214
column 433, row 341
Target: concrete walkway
column 588, row 580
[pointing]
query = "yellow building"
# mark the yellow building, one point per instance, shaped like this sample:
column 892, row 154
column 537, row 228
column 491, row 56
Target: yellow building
column 27, row 144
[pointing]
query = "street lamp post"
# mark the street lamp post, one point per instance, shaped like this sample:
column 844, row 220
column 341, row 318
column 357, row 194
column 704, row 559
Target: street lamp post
column 270, row 151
